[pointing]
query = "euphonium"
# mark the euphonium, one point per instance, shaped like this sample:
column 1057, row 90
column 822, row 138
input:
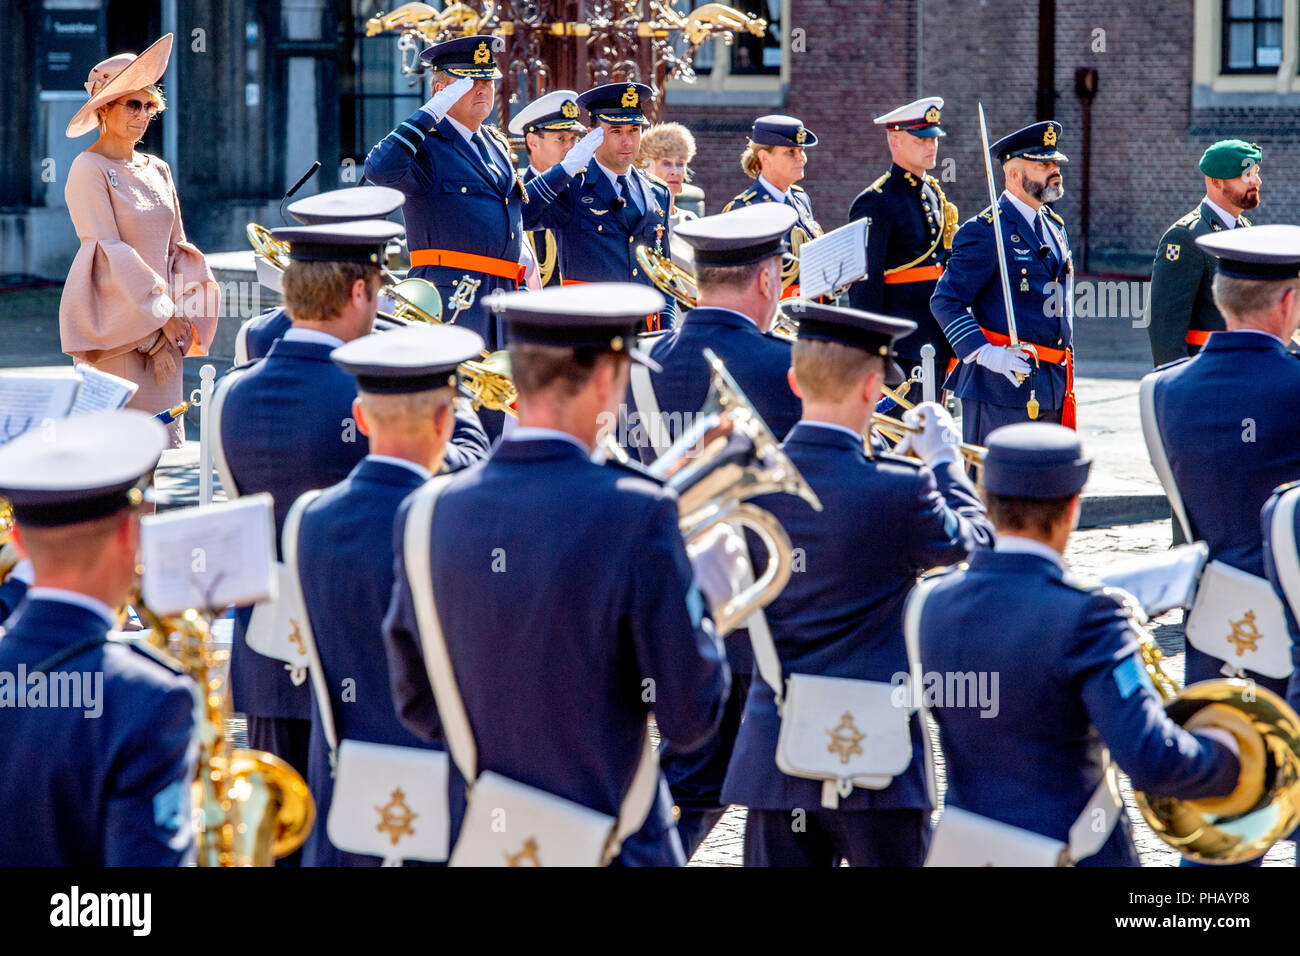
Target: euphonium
column 668, row 277
column 713, row 487
column 415, row 300
column 252, row 806
column 1244, row 833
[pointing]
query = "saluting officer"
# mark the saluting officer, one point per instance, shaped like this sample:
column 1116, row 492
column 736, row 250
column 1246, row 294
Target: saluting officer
column 558, row 658
column 101, row 777
column 884, row 520
column 405, row 405
column 968, row 300
column 738, row 273
column 910, row 229
column 598, row 202
column 774, row 158
column 284, row 425
column 1219, row 425
column 550, row 128
column 1071, row 682
column 255, row 335
column 464, row 197
column 1182, row 310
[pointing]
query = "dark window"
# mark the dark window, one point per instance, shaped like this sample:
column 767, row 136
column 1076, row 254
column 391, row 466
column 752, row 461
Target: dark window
column 1252, row 36
column 750, row 55
column 373, row 95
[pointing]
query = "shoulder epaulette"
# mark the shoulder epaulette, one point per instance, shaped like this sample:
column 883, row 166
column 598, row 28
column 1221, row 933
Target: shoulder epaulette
column 495, row 131
column 795, row 187
column 1052, row 213
column 654, row 179
column 876, row 187
column 1190, row 218
column 986, row 215
column 1177, row 361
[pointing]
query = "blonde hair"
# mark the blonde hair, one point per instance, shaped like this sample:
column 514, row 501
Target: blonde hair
column 409, row 413
column 749, row 160
column 664, row 140
column 826, row 370
column 318, row 291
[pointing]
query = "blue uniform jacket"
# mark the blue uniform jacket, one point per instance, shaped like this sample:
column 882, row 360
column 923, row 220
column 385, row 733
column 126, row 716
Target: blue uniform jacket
column 1070, row 684
column 559, row 659
column 112, row 789
column 757, row 193
column 286, row 427
column 1230, row 442
column 454, row 202
column 884, row 521
column 351, row 526
column 969, row 296
column 906, row 225
column 598, row 243
column 261, row 331
column 12, row 593
column 545, row 240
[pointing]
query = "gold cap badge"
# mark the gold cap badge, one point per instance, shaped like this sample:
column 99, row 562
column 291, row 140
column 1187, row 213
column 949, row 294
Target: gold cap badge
column 569, row 110
column 630, row 97
column 1049, row 137
column 481, row 54
column 932, row 114
column 800, row 136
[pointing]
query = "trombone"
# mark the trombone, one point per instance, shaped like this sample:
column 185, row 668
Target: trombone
column 893, row 429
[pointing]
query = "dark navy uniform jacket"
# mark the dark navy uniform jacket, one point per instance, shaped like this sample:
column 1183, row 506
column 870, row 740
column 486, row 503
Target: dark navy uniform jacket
column 1039, row 293
column 1240, row 386
column 906, row 225
column 1070, row 684
column 12, row 593
column 563, row 636
column 798, row 199
column 107, row 790
column 598, row 243
column 261, row 331
column 286, row 427
column 351, row 526
column 884, row 521
column 453, row 201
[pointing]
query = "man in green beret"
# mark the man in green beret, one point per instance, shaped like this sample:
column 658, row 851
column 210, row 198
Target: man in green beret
column 1182, row 311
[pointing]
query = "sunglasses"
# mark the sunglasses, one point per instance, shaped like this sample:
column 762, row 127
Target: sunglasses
column 135, row 106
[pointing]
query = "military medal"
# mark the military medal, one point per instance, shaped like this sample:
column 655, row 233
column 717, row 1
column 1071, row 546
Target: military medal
column 659, row 239
column 1024, row 285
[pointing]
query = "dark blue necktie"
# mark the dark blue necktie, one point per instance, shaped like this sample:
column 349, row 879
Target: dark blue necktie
column 486, row 152
column 1041, row 229
column 630, row 211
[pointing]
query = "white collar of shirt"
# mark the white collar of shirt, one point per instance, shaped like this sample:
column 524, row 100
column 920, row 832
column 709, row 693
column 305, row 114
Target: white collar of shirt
column 780, row 196
column 1014, row 544
column 1032, row 216
column 533, row 433
column 533, row 170
column 419, row 469
column 77, row 598
column 1229, row 220
column 831, row 425
column 312, row 335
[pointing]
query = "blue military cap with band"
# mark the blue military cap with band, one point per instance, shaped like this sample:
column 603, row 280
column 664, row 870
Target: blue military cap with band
column 867, row 331
column 1264, row 253
column 361, row 241
column 600, row 316
column 419, row 358
column 1035, row 460
column 556, row 112
column 466, row 57
column 81, row 468
column 777, row 130
column 1036, row 142
column 619, row 104
column 740, row 237
column 345, row 205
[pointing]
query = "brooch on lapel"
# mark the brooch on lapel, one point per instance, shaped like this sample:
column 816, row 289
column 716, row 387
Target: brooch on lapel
column 112, row 178
column 589, row 199
column 1020, row 252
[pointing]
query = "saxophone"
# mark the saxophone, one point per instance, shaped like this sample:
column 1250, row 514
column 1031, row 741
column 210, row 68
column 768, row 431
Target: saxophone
column 250, row 806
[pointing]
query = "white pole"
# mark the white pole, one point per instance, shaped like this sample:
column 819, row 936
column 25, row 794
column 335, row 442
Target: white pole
column 207, row 378
column 928, row 386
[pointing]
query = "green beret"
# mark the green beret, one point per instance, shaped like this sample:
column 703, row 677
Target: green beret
column 1230, row 158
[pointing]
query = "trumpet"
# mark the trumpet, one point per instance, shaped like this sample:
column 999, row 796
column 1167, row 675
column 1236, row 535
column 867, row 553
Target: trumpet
column 714, row 488
column 1219, row 831
column 251, row 807
column 893, row 429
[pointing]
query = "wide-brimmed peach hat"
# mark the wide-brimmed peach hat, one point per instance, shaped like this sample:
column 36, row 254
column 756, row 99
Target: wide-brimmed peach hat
column 117, row 76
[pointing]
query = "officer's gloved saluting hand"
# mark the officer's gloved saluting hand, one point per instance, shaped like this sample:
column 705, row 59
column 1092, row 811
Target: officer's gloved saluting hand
column 580, row 155
column 446, row 98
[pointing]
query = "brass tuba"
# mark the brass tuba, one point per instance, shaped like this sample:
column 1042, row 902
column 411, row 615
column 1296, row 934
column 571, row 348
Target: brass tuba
column 1233, row 834
column 713, row 487
column 250, row 806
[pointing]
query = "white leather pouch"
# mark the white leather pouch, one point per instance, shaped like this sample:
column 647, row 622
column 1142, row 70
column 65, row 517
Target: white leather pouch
column 846, row 733
column 390, row 802
column 963, row 838
column 1238, row 618
column 275, row 629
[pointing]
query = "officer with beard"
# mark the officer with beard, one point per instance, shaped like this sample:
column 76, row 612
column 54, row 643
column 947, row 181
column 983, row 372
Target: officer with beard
column 1183, row 313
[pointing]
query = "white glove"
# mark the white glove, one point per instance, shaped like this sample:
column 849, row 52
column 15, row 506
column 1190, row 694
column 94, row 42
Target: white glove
column 446, row 98
column 937, row 442
column 578, row 157
column 1006, row 362
column 720, row 561
column 1221, row 736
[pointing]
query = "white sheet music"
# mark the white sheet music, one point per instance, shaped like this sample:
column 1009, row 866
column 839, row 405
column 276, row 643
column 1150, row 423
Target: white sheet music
column 101, row 391
column 29, row 397
column 833, row 260
column 209, row 556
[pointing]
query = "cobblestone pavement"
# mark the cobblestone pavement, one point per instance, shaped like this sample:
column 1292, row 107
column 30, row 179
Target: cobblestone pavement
column 1089, row 553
